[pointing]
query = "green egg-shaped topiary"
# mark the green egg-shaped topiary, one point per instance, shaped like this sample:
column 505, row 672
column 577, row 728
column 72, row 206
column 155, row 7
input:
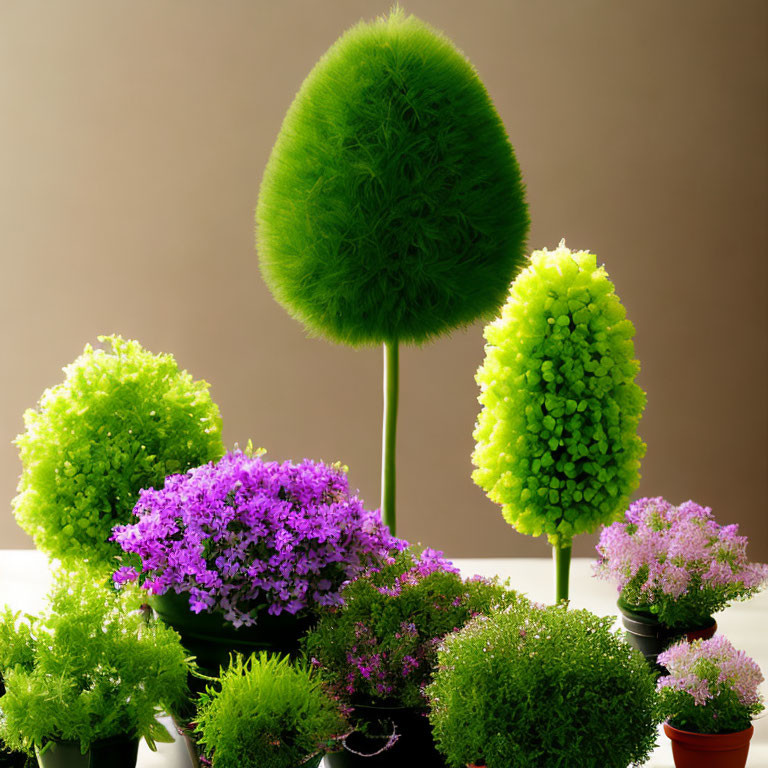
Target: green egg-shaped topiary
column 121, row 420
column 392, row 207
column 557, row 442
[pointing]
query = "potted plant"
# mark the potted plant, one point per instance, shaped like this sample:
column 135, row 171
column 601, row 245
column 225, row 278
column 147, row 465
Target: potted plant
column 557, row 442
column 673, row 567
column 267, row 712
column 377, row 651
column 11, row 654
column 391, row 209
column 87, row 679
column 235, row 553
column 121, row 420
column 709, row 699
column 534, row 686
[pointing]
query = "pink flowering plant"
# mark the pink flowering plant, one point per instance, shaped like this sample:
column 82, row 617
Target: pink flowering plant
column 380, row 646
column 677, row 562
column 711, row 687
column 242, row 535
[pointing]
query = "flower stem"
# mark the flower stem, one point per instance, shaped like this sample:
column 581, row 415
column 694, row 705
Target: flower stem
column 562, row 557
column 389, row 433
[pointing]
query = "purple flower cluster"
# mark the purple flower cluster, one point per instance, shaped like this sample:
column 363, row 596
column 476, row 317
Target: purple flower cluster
column 677, row 561
column 380, row 667
column 709, row 681
column 381, row 645
column 429, row 561
column 244, row 532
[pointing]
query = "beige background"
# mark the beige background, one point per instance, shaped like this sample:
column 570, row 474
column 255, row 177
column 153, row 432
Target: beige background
column 133, row 134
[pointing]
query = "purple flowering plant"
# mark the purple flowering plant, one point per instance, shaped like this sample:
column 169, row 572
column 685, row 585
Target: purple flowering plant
column 677, row 562
column 711, row 687
column 380, row 645
column 243, row 533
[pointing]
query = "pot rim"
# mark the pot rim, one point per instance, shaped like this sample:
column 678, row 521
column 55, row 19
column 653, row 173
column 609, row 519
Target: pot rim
column 645, row 617
column 717, row 742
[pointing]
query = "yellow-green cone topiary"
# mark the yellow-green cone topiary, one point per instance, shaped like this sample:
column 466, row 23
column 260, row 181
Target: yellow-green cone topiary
column 557, row 444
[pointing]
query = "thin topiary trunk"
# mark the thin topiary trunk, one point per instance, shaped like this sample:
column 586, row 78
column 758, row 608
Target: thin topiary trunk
column 561, row 554
column 389, row 433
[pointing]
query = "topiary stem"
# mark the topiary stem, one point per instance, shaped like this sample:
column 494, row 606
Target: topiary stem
column 389, row 433
column 562, row 557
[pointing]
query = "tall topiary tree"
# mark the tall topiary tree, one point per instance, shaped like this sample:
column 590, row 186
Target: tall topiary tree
column 391, row 209
column 557, row 442
column 121, row 420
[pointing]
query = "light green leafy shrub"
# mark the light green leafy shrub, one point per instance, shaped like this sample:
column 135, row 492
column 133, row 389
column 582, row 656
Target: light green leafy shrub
column 536, row 686
column 268, row 712
column 94, row 665
column 121, row 420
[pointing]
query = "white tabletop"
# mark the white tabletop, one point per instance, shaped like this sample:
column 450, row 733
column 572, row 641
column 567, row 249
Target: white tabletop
column 24, row 580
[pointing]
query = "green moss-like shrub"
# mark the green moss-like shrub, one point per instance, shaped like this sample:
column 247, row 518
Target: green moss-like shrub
column 121, row 420
column 268, row 713
column 380, row 646
column 557, row 442
column 391, row 207
column 93, row 666
column 535, row 687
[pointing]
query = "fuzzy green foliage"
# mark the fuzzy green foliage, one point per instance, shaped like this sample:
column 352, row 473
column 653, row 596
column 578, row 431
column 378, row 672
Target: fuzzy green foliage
column 121, row 420
column 557, row 442
column 381, row 645
column 268, row 713
column 93, row 666
column 538, row 686
column 391, row 207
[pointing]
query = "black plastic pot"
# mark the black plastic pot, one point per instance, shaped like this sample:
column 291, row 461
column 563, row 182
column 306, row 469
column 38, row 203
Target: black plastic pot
column 646, row 633
column 116, row 752
column 13, row 759
column 211, row 639
column 413, row 747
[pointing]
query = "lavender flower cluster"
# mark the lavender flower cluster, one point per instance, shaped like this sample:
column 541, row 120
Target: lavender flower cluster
column 244, row 532
column 677, row 561
column 711, row 687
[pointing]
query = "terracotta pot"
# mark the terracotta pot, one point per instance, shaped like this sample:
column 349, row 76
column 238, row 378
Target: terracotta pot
column 116, row 752
column 646, row 633
column 709, row 750
column 414, row 746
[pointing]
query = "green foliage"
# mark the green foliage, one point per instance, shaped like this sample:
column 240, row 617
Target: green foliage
column 557, row 442
column 93, row 666
column 381, row 645
column 121, row 420
column 391, row 207
column 537, row 687
column 269, row 713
